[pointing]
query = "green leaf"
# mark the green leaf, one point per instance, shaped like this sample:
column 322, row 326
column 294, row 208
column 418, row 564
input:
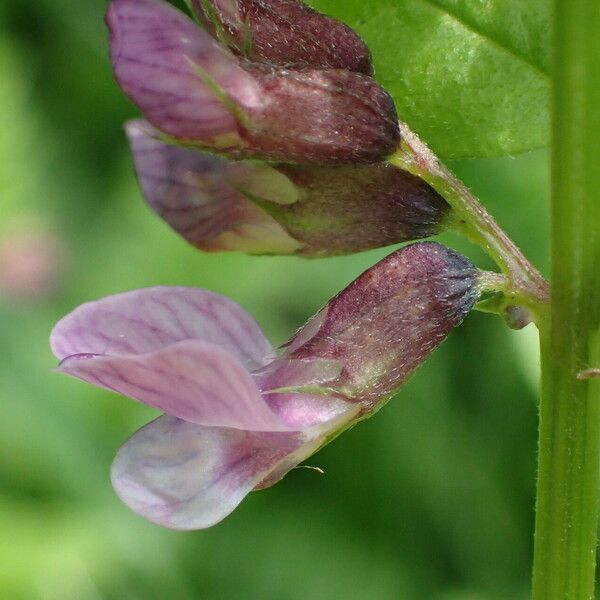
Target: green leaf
column 471, row 77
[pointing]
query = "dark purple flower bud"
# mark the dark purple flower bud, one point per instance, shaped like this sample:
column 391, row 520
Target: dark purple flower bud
column 346, row 209
column 284, row 32
column 385, row 323
column 196, row 91
column 217, row 204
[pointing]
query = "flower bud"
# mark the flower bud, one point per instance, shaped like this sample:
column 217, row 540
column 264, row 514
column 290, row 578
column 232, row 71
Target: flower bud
column 318, row 116
column 218, row 204
column 386, row 323
column 284, row 32
column 196, row 91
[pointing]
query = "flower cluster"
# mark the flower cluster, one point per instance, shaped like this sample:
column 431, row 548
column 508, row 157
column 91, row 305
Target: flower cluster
column 264, row 132
column 299, row 96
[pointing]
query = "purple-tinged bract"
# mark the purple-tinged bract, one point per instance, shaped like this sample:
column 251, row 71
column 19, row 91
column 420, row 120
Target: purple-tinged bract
column 284, row 32
column 196, row 91
column 310, row 210
column 238, row 415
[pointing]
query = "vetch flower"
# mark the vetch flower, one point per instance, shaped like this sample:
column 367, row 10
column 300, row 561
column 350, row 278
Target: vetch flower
column 284, row 32
column 238, row 415
column 302, row 100
column 279, row 208
column 196, row 91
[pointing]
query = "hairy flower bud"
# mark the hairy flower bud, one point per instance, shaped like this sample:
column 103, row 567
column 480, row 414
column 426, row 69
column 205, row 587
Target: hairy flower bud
column 196, row 91
column 284, row 32
column 217, row 204
column 385, row 323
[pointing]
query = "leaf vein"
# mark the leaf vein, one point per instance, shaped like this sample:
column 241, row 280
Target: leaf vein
column 473, row 28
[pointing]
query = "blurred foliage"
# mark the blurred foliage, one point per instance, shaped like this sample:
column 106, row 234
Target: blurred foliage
column 431, row 499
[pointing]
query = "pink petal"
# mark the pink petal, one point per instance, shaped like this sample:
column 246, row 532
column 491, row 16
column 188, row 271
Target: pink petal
column 301, row 410
column 150, row 319
column 301, row 372
column 196, row 193
column 186, row 476
column 304, row 407
column 195, row 381
column 157, row 55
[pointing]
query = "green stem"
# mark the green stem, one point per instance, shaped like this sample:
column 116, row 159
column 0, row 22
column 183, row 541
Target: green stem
column 525, row 286
column 569, row 442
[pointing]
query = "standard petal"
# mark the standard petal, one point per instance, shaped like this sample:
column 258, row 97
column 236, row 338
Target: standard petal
column 147, row 320
column 196, row 193
column 185, row 476
column 195, row 381
column 164, row 62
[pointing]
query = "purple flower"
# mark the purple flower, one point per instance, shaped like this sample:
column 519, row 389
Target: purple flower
column 197, row 91
column 239, row 416
column 311, row 210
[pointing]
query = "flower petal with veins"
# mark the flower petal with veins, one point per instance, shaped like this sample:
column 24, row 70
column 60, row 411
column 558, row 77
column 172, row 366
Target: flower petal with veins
column 196, row 194
column 150, row 319
column 299, row 410
column 195, row 381
column 186, row 476
column 154, row 49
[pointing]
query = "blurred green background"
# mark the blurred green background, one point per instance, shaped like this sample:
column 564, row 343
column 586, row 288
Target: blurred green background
column 431, row 499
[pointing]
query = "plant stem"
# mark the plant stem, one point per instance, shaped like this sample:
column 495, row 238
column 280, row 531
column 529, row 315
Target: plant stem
column 569, row 441
column 526, row 286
